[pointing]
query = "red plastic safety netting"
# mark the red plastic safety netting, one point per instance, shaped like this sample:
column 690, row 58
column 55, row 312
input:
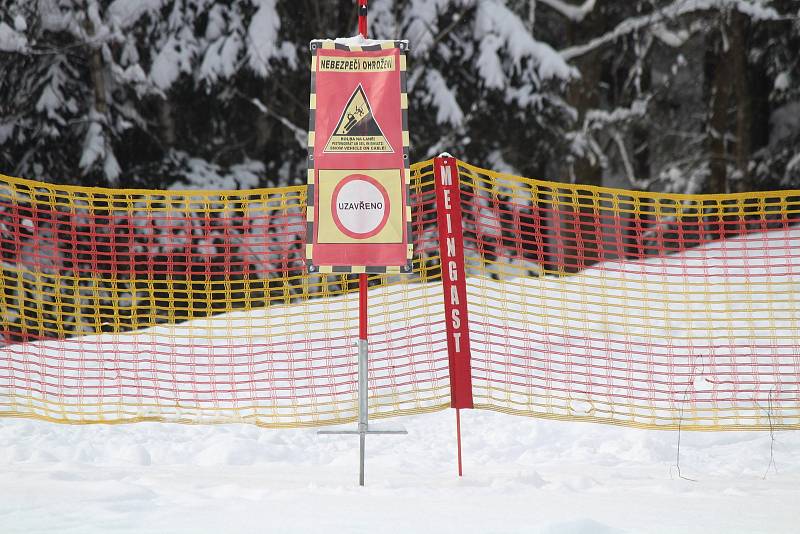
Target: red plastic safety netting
column 585, row 303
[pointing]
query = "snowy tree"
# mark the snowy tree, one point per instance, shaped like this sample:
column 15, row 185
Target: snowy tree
column 63, row 121
column 658, row 94
column 115, row 93
column 776, row 160
column 692, row 66
column 482, row 85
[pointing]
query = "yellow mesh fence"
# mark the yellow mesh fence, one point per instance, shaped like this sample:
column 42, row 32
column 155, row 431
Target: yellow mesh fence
column 586, row 303
column 194, row 306
column 642, row 309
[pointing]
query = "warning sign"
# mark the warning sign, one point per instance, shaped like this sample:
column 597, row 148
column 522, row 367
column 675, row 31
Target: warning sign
column 357, row 130
column 359, row 217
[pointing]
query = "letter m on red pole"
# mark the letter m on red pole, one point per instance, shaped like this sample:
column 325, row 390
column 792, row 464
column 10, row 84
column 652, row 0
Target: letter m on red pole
column 454, row 280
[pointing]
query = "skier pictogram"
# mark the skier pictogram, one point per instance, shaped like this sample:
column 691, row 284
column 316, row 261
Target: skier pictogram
column 357, row 129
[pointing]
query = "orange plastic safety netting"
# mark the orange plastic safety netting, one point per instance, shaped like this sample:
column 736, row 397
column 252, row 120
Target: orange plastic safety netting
column 195, row 306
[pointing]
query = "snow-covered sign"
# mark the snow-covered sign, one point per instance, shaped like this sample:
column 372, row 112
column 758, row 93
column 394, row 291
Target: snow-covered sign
column 359, row 219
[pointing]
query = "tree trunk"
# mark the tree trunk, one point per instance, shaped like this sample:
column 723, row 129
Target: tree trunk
column 717, row 128
column 578, row 239
column 741, row 88
column 264, row 123
column 166, row 123
column 98, row 79
column 96, row 71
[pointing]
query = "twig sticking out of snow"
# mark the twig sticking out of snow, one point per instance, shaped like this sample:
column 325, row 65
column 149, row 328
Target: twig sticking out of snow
column 771, row 438
column 678, row 453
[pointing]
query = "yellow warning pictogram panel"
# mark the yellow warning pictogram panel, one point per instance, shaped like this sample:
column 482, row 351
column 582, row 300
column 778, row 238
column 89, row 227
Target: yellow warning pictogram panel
column 357, row 129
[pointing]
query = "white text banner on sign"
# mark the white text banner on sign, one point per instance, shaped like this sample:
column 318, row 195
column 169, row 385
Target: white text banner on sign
column 359, row 218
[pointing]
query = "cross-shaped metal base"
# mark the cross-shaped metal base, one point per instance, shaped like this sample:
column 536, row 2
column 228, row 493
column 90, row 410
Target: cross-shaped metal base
column 364, row 427
column 362, row 434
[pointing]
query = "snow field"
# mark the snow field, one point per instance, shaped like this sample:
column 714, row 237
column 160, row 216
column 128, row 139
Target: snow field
column 521, row 475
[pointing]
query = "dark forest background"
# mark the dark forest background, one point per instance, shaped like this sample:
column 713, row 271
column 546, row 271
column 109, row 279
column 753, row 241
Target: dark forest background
column 664, row 95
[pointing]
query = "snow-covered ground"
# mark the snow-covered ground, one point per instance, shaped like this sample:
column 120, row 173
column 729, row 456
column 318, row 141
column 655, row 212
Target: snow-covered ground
column 521, row 475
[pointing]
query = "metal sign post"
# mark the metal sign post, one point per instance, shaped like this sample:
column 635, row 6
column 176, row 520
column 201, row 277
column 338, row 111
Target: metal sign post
column 366, row 189
column 363, row 381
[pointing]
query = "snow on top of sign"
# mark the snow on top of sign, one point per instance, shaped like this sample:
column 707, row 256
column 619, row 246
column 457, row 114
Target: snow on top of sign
column 360, row 40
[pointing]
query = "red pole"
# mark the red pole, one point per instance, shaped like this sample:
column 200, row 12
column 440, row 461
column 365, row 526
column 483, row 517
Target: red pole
column 363, row 373
column 458, row 438
column 362, row 18
column 451, row 252
column 362, row 306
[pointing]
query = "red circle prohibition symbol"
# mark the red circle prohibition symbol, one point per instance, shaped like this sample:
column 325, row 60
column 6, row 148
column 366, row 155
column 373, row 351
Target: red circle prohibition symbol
column 335, row 214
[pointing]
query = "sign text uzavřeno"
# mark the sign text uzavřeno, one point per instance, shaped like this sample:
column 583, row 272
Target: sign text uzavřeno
column 360, row 205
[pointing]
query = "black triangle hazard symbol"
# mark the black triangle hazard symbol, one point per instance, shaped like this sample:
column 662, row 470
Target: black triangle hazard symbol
column 357, row 129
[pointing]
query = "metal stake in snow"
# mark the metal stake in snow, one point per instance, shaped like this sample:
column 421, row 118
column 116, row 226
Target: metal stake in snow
column 363, row 347
column 363, row 368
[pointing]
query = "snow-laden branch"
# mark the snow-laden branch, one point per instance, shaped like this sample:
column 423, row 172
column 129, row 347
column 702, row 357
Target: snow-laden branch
column 300, row 134
column 503, row 37
column 674, row 39
column 572, row 12
column 626, row 162
column 12, row 40
column 97, row 149
column 599, row 119
column 672, row 11
column 443, row 98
